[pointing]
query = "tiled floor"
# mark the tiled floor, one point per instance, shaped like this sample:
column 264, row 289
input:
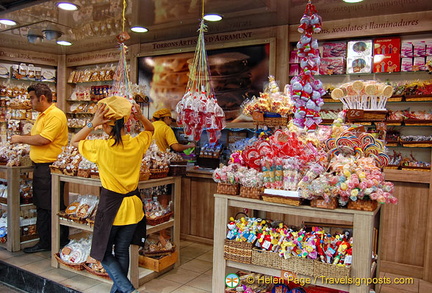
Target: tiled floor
column 193, row 275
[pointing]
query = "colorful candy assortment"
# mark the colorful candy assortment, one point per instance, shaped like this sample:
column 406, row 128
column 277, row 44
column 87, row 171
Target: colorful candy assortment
column 291, row 242
column 198, row 109
column 306, row 91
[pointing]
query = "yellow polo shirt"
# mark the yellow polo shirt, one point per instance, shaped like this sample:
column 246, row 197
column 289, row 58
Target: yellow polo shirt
column 119, row 168
column 163, row 135
column 52, row 125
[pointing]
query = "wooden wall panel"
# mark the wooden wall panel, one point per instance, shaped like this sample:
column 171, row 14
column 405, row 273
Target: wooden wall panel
column 404, row 225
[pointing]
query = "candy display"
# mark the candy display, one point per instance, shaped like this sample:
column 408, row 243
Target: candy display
column 271, row 100
column 306, row 91
column 14, row 154
column 198, row 109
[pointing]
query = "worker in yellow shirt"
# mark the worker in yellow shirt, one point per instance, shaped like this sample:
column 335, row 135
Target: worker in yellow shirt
column 48, row 136
column 120, row 219
column 163, row 133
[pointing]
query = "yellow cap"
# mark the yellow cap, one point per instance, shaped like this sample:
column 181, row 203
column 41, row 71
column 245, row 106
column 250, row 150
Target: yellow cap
column 118, row 107
column 162, row 113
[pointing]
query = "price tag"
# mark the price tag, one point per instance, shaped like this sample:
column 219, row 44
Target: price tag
column 354, row 114
column 258, row 116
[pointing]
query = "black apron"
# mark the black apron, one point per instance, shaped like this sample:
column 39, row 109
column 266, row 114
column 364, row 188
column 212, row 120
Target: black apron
column 109, row 204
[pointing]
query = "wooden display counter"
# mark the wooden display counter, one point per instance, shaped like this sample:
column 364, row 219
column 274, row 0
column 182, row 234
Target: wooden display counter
column 363, row 223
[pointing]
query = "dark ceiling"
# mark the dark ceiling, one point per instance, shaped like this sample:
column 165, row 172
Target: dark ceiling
column 97, row 22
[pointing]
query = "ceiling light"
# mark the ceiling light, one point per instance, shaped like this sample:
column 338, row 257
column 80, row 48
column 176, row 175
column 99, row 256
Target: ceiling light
column 50, row 34
column 64, row 43
column 352, row 1
column 139, row 29
column 212, row 17
column 7, row 22
column 67, row 6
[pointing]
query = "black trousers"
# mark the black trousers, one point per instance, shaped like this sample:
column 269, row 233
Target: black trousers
column 42, row 200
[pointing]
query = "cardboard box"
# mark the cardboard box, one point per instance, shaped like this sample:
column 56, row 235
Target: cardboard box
column 158, row 264
column 419, row 48
column 387, row 46
column 332, row 65
column 360, row 48
column 419, row 64
column 386, row 63
column 407, row 49
column 406, row 64
column 334, row 49
column 359, row 64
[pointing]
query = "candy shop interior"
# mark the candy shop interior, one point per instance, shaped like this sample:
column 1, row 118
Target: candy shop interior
column 312, row 125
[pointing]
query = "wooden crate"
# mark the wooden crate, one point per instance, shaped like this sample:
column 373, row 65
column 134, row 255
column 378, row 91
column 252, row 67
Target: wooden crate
column 158, row 264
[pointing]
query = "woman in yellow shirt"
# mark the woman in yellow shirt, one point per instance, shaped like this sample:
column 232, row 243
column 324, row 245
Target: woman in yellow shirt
column 120, row 218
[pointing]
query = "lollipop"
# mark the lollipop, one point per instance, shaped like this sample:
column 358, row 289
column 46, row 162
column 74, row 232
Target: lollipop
column 358, row 86
column 338, row 94
column 372, row 91
column 387, row 92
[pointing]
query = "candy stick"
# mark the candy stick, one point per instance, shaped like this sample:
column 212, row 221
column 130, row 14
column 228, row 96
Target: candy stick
column 358, row 86
column 387, row 92
column 337, row 94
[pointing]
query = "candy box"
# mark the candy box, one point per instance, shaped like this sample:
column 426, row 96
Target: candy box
column 419, row 64
column 419, row 48
column 406, row 64
column 428, row 47
column 293, row 57
column 361, row 48
column 387, row 46
column 334, row 49
column 407, row 49
column 294, row 69
column 386, row 63
column 359, row 64
column 332, row 65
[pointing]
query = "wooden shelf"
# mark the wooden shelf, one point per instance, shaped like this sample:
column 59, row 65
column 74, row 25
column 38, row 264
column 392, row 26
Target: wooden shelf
column 138, row 275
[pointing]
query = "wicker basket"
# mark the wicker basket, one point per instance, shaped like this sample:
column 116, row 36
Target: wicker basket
column 56, row 170
column 238, row 251
column 331, row 204
column 159, row 220
column 158, row 173
column 144, row 176
column 76, row 267
column 330, row 270
column 226, row 188
column 363, row 205
column 84, row 173
column 94, row 175
column 96, row 273
column 298, row 265
column 251, row 192
column 293, row 201
column 267, row 259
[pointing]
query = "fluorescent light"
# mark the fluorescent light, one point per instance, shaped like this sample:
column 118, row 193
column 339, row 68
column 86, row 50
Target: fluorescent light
column 139, row 29
column 212, row 17
column 67, row 6
column 352, row 1
column 7, row 22
column 64, row 43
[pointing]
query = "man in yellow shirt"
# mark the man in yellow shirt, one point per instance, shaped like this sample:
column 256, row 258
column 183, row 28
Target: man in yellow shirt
column 48, row 136
column 163, row 133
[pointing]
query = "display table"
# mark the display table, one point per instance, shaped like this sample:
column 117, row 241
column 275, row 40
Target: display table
column 363, row 231
column 137, row 275
column 13, row 207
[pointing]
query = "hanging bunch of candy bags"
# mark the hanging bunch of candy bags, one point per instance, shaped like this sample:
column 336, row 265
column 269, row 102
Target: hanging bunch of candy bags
column 306, row 91
column 198, row 110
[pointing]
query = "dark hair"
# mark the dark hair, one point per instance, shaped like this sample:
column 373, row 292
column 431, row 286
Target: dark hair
column 41, row 89
column 116, row 131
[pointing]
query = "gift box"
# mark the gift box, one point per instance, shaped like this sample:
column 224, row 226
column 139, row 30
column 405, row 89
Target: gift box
column 334, row 49
column 419, row 64
column 387, row 46
column 332, row 65
column 419, row 48
column 386, row 63
column 428, row 47
column 294, row 69
column 294, row 57
column 361, row 48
